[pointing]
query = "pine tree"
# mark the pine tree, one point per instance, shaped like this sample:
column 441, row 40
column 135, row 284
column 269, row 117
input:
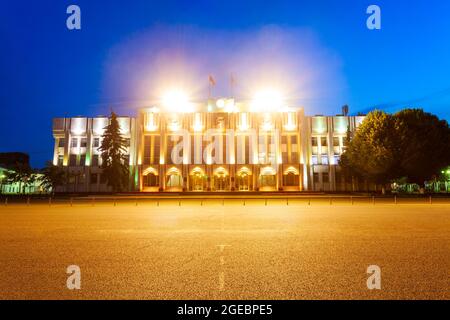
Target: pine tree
column 114, row 160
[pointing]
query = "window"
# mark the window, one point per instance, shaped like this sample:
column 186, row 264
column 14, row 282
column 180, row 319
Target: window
column 336, row 141
column 290, row 179
column 325, row 177
column 82, row 160
column 61, row 142
column 94, row 178
column 60, row 160
column 73, row 160
column 337, row 158
column 83, row 143
column 314, row 160
column 96, row 142
column 74, row 143
column 314, row 141
column 95, row 160
column 316, row 177
column 324, row 159
column 323, row 141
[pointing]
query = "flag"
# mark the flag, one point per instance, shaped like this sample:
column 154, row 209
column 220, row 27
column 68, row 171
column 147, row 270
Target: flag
column 211, row 80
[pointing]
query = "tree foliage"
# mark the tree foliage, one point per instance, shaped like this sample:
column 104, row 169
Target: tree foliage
column 22, row 174
column 52, row 177
column 113, row 153
column 410, row 144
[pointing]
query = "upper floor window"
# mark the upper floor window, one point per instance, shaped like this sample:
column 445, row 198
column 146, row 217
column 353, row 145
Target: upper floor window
column 74, row 143
column 83, row 143
column 96, row 142
column 61, row 142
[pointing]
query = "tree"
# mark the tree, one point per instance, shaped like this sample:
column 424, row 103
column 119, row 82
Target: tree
column 52, row 177
column 425, row 145
column 372, row 153
column 411, row 145
column 114, row 160
column 22, row 174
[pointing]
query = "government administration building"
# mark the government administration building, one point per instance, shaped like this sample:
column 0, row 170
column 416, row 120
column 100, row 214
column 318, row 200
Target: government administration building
column 218, row 146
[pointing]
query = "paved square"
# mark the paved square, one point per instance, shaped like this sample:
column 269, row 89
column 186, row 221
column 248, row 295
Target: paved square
column 225, row 250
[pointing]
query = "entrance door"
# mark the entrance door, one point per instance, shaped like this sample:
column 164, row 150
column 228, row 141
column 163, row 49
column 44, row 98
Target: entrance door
column 244, row 182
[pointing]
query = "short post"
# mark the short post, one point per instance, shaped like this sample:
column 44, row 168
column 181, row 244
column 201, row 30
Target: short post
column 93, row 201
column 373, row 200
column 28, row 201
column 331, row 201
column 201, row 202
column 6, row 201
column 244, row 202
column 265, row 202
column 395, row 199
column 136, row 202
column 431, row 201
column 223, row 200
column 309, row 201
column 179, row 202
column 49, row 201
column 157, row 203
column 71, row 201
column 287, row 201
column 114, row 202
column 351, row 199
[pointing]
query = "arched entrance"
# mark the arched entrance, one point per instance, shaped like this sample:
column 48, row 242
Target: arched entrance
column 221, row 179
column 197, row 179
column 244, row 179
column 268, row 179
column 150, row 179
column 174, row 180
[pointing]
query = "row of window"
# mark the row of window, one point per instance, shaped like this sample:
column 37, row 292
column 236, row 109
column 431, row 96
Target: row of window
column 324, row 159
column 82, row 142
column 80, row 160
column 324, row 141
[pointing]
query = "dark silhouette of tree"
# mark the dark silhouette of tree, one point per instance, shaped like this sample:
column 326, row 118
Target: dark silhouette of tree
column 425, row 145
column 114, row 161
column 410, row 144
column 22, row 174
column 53, row 177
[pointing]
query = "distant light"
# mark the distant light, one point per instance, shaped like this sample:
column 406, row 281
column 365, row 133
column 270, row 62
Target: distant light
column 176, row 101
column 220, row 103
column 267, row 101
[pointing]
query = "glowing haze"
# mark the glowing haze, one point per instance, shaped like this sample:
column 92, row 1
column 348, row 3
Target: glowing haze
column 142, row 68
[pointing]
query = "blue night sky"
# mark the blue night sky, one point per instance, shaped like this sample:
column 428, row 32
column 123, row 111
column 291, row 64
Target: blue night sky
column 319, row 51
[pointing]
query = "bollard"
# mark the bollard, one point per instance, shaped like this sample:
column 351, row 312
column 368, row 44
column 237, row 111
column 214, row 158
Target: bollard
column 431, row 201
column 93, row 201
column 373, row 200
column 395, row 199
column 265, row 202
column 114, row 202
column 136, row 203
column 71, row 201
column 331, row 201
column 28, row 201
column 157, row 203
column 244, row 202
column 309, row 201
column 49, row 201
column 351, row 199
column 6, row 201
column 179, row 203
column 287, row 201
column 223, row 202
column 201, row 202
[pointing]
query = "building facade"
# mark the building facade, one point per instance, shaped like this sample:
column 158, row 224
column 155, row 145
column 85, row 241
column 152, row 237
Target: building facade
column 220, row 146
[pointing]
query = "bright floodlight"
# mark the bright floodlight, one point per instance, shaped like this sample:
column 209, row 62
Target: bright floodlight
column 266, row 101
column 176, row 100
